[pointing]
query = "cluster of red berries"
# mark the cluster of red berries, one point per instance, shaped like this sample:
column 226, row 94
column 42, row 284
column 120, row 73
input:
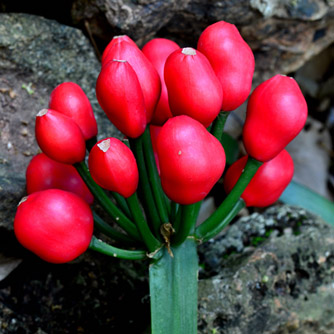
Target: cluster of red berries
column 179, row 92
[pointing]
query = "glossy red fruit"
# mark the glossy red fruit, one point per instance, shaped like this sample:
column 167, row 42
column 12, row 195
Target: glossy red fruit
column 154, row 133
column 120, row 96
column 191, row 160
column 113, row 166
column 59, row 137
column 193, row 88
column 267, row 184
column 115, row 39
column 232, row 60
column 69, row 99
column 147, row 75
column 157, row 51
column 44, row 173
column 276, row 113
column 54, row 224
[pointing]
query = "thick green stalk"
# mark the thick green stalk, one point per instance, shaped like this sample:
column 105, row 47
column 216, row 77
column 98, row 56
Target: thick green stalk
column 219, row 124
column 218, row 228
column 118, row 216
column 146, row 192
column 224, row 209
column 151, row 242
column 109, row 231
column 104, row 248
column 173, row 290
column 189, row 214
column 153, row 175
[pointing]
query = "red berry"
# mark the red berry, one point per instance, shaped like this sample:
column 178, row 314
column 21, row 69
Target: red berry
column 115, row 39
column 59, row 137
column 69, row 99
column 120, row 96
column 276, row 113
column 113, row 166
column 193, row 88
column 267, row 184
column 232, row 60
column 44, row 173
column 191, row 160
column 54, row 224
column 157, row 51
column 147, row 75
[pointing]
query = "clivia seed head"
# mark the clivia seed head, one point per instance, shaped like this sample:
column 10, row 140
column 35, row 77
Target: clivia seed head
column 276, row 113
column 185, row 150
column 268, row 183
column 54, row 224
column 232, row 61
column 113, row 166
column 157, row 51
column 193, row 88
column 114, row 40
column 147, row 75
column 120, row 96
column 69, row 99
column 59, row 137
column 44, row 173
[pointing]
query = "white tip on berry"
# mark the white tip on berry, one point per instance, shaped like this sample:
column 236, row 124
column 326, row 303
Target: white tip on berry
column 23, row 199
column 189, row 51
column 104, row 145
column 42, row 112
column 120, row 60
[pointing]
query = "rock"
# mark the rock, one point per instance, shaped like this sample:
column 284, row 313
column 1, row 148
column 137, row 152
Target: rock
column 269, row 273
column 138, row 19
column 283, row 34
column 35, row 56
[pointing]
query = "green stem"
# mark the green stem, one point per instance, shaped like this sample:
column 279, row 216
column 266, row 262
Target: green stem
column 147, row 196
column 224, row 209
column 120, row 200
column 219, row 124
column 118, row 216
column 151, row 242
column 153, row 175
column 174, row 211
column 104, row 248
column 109, row 231
column 234, row 211
column 178, row 219
column 189, row 214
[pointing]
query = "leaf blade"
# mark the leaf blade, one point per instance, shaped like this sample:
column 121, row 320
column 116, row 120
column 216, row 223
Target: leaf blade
column 297, row 194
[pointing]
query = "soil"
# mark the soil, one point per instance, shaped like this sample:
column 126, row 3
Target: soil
column 94, row 294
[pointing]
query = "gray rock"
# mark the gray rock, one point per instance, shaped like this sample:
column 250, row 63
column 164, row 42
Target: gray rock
column 139, row 19
column 269, row 273
column 35, row 56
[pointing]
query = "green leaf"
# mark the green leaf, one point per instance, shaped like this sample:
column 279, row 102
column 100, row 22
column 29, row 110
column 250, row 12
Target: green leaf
column 173, row 290
column 297, row 194
column 231, row 148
